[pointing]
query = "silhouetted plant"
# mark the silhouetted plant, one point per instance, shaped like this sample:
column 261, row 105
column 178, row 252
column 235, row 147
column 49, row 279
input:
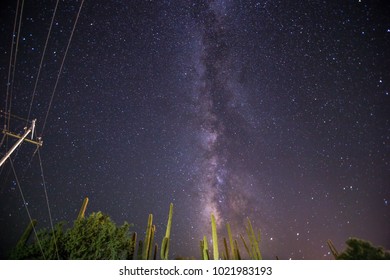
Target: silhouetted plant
column 93, row 238
column 358, row 249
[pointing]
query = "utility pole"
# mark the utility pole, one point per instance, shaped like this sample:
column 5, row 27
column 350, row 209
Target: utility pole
column 21, row 139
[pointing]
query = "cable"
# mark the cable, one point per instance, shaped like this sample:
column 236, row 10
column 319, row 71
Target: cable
column 62, row 64
column 16, row 54
column 43, row 55
column 14, row 116
column 10, row 62
column 48, row 206
column 25, row 170
column 28, row 212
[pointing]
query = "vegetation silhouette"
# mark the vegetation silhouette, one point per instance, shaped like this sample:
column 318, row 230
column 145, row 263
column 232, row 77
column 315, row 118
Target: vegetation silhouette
column 94, row 238
column 97, row 237
column 358, row 249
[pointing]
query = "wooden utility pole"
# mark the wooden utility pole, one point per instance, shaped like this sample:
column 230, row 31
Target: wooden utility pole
column 21, row 139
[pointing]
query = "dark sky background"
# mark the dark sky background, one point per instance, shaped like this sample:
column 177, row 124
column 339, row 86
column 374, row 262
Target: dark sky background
column 273, row 110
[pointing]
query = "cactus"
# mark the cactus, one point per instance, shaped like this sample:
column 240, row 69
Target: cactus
column 139, row 252
column 236, row 250
column 332, row 248
column 166, row 239
column 204, row 249
column 246, row 246
column 148, row 234
column 151, row 242
column 26, row 235
column 215, row 237
column 155, row 251
column 83, row 208
column 251, row 247
column 132, row 246
column 201, row 248
column 226, row 255
column 234, row 253
column 254, row 244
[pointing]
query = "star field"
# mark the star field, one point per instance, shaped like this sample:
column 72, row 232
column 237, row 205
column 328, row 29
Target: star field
column 273, row 110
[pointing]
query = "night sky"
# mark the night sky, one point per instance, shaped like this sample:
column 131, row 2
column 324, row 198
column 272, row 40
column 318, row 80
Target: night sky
column 273, row 110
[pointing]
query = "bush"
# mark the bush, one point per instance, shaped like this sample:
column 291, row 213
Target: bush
column 358, row 249
column 92, row 238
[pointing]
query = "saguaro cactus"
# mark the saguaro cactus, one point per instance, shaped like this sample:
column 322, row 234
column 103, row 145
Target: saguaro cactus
column 236, row 250
column 26, row 235
column 147, row 240
column 254, row 242
column 139, row 251
column 155, row 251
column 151, row 242
column 215, row 238
column 166, row 239
column 204, row 248
column 233, row 251
column 332, row 248
column 83, row 208
column 226, row 253
column 246, row 247
column 132, row 246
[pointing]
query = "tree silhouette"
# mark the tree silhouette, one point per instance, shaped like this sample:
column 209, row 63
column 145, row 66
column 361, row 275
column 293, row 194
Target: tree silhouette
column 92, row 238
column 358, row 249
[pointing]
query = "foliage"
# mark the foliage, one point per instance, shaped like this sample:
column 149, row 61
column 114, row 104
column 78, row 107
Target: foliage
column 45, row 248
column 358, row 249
column 98, row 238
column 94, row 238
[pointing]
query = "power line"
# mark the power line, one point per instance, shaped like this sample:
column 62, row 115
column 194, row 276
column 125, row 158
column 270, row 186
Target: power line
column 40, row 64
column 10, row 62
column 5, row 178
column 28, row 212
column 47, row 203
column 16, row 54
column 62, row 65
column 10, row 86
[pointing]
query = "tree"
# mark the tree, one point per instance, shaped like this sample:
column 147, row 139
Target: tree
column 358, row 249
column 93, row 238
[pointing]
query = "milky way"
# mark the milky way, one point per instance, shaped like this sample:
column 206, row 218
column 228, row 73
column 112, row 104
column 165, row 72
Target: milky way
column 219, row 102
